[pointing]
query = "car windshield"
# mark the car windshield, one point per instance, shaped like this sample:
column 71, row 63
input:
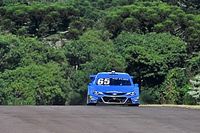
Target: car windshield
column 114, row 81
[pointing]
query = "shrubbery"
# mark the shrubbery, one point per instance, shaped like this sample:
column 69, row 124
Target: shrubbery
column 49, row 48
column 34, row 84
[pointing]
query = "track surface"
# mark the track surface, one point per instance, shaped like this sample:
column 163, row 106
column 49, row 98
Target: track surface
column 98, row 119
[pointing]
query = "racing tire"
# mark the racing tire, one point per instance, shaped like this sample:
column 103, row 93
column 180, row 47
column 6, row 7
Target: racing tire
column 91, row 104
column 135, row 105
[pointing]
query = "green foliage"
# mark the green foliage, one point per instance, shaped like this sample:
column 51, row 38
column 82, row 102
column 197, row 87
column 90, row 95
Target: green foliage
column 105, row 63
column 172, row 91
column 9, row 52
column 92, row 53
column 20, row 51
column 175, row 86
column 189, row 100
column 195, row 88
column 48, row 48
column 77, row 94
column 41, row 19
column 75, row 98
column 193, row 64
column 91, row 49
column 150, row 95
column 150, row 56
column 188, row 5
column 156, row 16
column 34, row 84
column 75, row 17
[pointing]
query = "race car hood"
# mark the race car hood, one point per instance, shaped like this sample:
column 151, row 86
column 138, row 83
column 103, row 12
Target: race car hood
column 114, row 88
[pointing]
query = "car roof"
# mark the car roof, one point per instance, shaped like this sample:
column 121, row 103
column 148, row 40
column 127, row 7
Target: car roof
column 114, row 73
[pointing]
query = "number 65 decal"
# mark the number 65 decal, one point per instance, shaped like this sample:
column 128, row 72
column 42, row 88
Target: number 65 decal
column 103, row 81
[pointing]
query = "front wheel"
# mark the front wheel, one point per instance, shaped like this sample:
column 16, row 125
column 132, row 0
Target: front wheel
column 135, row 105
column 88, row 103
column 91, row 104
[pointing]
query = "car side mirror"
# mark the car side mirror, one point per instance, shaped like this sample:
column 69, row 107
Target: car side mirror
column 136, row 85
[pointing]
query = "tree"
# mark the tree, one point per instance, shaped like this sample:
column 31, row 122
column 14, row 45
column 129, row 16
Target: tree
column 154, row 16
column 190, row 6
column 156, row 41
column 152, row 55
column 193, row 64
column 22, row 51
column 78, row 91
column 34, row 84
column 174, row 87
column 92, row 44
column 1, row 2
column 9, row 52
column 91, row 53
column 42, row 19
column 103, row 63
column 195, row 89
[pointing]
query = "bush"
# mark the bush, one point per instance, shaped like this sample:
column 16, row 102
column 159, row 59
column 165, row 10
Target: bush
column 22, row 51
column 189, row 100
column 195, row 88
column 150, row 96
column 152, row 55
column 154, row 16
column 193, row 64
column 175, row 86
column 34, row 84
column 74, row 98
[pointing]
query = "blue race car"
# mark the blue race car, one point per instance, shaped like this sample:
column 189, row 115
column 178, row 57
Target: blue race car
column 112, row 88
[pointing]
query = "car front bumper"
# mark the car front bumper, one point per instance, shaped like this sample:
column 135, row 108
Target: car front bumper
column 105, row 99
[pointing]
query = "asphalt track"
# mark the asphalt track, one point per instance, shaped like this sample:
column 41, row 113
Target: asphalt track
column 98, row 119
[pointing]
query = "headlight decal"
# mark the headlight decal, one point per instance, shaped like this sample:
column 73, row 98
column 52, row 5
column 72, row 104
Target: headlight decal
column 98, row 93
column 131, row 93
